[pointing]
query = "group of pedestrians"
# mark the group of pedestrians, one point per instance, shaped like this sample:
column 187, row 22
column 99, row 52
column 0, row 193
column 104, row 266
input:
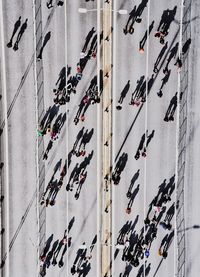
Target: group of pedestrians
column 131, row 193
column 82, row 262
column 137, row 245
column 53, row 252
column 82, row 139
column 135, row 16
column 160, row 214
column 90, row 97
column 65, row 88
column 50, row 5
column 143, row 145
column 143, row 88
column 78, row 174
column 52, row 123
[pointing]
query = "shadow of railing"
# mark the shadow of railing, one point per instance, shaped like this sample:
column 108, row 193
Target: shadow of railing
column 40, row 113
column 180, row 216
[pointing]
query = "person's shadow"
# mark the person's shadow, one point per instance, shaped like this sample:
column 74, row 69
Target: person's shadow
column 16, row 27
column 186, row 46
column 86, row 266
column 133, row 195
column 19, row 36
column 47, row 245
column 46, row 39
column 62, row 75
column 135, row 177
column 71, row 223
column 57, row 166
column 127, row 270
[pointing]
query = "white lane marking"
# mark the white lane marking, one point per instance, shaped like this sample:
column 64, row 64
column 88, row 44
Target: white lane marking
column 5, row 133
column 146, row 121
column 113, row 105
column 98, row 273
column 67, row 128
column 37, row 143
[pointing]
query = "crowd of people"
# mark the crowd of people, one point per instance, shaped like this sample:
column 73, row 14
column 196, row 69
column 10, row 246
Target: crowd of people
column 54, row 251
column 137, row 245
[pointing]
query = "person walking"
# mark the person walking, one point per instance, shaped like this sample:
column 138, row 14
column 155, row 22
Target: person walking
column 49, row 4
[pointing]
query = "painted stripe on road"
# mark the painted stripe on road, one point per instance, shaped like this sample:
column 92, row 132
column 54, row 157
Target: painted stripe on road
column 5, row 133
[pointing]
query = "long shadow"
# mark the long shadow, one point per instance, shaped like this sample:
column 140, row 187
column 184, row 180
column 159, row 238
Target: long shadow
column 120, row 165
column 161, row 54
column 169, row 115
column 71, row 223
column 123, row 94
column 144, row 38
column 164, row 80
column 123, row 231
column 61, row 82
column 173, row 53
column 167, row 18
column 16, row 27
column 133, row 180
column 138, row 88
column 47, row 245
column 127, row 271
column 19, row 36
column 141, row 270
column 87, row 39
column 132, row 197
column 46, row 39
column 132, row 228
column 57, row 166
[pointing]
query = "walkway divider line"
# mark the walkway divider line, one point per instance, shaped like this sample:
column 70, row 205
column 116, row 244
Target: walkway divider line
column 113, row 105
column 5, row 133
column 67, row 107
column 99, row 136
column 107, row 130
column 146, row 123
column 37, row 142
